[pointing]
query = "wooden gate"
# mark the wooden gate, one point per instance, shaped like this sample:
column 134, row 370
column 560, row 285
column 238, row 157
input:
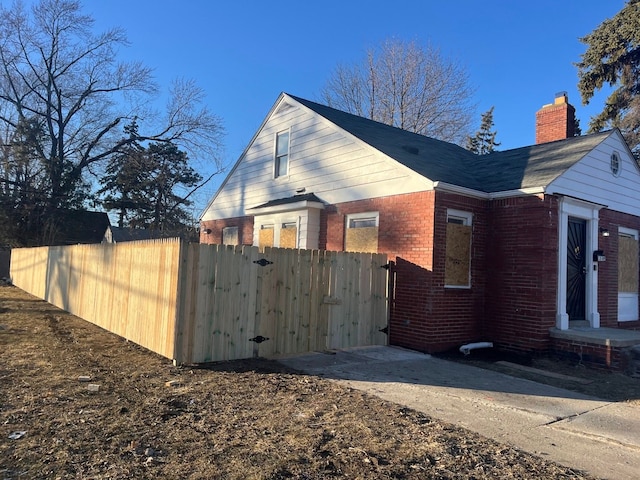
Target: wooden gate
column 200, row 303
column 237, row 302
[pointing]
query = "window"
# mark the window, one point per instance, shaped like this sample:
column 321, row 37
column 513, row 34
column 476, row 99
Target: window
column 265, row 236
column 615, row 164
column 289, row 235
column 458, row 250
column 281, row 167
column 627, row 263
column 628, row 281
column 230, row 236
column 361, row 234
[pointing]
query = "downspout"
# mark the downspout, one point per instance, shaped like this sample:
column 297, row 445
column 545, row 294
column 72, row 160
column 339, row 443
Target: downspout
column 466, row 349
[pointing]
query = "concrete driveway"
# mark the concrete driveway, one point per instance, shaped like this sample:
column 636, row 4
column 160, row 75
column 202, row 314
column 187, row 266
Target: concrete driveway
column 575, row 430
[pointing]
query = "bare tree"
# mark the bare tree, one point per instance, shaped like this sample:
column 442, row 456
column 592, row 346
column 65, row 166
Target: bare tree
column 66, row 83
column 407, row 86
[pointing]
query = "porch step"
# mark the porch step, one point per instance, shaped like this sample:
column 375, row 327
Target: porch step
column 579, row 323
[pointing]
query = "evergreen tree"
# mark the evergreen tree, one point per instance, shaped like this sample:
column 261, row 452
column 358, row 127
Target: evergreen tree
column 149, row 187
column 484, row 141
column 124, row 177
column 613, row 57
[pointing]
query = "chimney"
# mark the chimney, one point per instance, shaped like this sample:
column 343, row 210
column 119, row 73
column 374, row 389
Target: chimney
column 556, row 121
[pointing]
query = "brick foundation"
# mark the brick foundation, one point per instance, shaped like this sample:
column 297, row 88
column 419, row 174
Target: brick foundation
column 598, row 356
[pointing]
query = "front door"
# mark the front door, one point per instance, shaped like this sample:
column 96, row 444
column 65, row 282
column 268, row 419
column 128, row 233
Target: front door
column 576, row 268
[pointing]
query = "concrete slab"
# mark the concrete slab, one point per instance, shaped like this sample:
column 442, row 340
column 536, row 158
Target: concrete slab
column 570, row 428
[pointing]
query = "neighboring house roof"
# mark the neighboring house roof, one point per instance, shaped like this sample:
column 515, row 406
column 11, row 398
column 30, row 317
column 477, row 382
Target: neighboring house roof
column 71, row 227
column 439, row 161
column 121, row 234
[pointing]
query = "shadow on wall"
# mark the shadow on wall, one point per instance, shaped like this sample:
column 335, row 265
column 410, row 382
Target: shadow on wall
column 410, row 301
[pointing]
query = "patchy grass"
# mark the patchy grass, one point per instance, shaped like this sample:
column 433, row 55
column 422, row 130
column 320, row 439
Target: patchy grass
column 248, row 419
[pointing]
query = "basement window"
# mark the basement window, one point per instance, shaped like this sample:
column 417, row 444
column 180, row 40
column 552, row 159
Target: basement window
column 361, row 232
column 458, row 249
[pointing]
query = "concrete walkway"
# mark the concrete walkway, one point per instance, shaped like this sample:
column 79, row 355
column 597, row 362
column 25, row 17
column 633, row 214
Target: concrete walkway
column 575, row 430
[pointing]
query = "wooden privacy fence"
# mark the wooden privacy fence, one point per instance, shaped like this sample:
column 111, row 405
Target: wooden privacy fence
column 199, row 303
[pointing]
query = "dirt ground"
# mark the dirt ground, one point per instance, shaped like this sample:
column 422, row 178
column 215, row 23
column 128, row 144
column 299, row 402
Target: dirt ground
column 248, row 419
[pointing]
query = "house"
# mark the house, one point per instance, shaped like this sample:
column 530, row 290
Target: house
column 122, row 234
column 533, row 249
column 71, row 227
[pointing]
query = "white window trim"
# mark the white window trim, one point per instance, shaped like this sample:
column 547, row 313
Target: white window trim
column 362, row 215
column 467, row 220
column 633, row 297
column 230, row 227
column 276, row 223
column 466, row 217
column 630, row 232
column 275, row 155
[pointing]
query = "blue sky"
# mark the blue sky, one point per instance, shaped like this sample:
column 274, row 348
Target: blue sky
column 517, row 53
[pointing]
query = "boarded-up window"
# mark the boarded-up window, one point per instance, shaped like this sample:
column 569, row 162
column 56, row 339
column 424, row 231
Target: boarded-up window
column 458, row 250
column 265, row 236
column 361, row 234
column 627, row 264
column 230, row 236
column 289, row 235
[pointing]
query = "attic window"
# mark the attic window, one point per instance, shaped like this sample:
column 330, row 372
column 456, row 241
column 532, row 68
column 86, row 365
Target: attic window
column 615, row 164
column 281, row 164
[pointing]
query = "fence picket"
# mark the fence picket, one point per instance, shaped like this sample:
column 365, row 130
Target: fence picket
column 201, row 303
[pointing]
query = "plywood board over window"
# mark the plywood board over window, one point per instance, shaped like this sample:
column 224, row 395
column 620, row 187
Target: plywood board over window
column 289, row 235
column 361, row 234
column 628, row 264
column 265, row 236
column 458, row 249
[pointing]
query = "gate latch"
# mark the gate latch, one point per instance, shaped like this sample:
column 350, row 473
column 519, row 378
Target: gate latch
column 263, row 262
column 258, row 339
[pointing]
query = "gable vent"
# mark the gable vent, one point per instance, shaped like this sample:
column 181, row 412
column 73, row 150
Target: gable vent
column 410, row 149
column 283, row 107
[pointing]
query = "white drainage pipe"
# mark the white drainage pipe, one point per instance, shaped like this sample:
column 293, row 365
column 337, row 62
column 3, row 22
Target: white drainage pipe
column 466, row 349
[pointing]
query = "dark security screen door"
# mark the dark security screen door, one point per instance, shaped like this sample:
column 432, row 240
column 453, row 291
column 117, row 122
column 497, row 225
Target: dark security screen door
column 576, row 268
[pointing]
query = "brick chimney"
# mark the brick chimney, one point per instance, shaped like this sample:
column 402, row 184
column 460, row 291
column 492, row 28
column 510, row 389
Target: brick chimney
column 556, row 121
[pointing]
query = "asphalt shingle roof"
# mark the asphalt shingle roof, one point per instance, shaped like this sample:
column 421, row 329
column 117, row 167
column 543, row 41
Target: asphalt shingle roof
column 532, row 166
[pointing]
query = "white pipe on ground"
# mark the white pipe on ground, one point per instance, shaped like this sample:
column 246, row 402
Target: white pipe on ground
column 466, row 349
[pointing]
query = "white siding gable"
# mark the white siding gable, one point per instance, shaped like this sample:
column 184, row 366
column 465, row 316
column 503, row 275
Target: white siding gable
column 591, row 179
column 323, row 159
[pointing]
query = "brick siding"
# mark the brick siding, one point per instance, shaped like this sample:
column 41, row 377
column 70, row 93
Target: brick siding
column 513, row 293
column 608, row 270
column 522, row 263
column 244, row 224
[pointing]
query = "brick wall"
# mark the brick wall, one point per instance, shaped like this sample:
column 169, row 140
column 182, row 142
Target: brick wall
column 599, row 356
column 244, row 224
column 425, row 315
column 522, row 262
column 608, row 270
column 512, row 299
